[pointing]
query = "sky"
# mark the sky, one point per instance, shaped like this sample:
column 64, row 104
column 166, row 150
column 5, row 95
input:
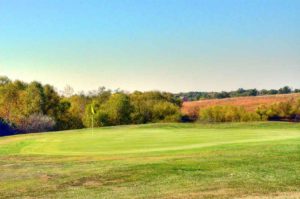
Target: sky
column 167, row 45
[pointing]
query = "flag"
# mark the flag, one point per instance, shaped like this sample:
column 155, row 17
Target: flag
column 92, row 109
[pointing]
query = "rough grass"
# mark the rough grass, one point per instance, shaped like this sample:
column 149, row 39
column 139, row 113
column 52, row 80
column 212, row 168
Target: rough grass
column 251, row 160
column 249, row 103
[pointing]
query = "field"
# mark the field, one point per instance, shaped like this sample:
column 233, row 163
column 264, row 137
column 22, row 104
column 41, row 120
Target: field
column 250, row 103
column 253, row 160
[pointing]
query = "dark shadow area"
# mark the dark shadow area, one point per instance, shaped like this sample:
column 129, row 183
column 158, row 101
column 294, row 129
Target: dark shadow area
column 6, row 129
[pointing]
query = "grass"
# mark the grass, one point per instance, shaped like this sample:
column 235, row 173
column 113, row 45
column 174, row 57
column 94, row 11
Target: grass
column 251, row 160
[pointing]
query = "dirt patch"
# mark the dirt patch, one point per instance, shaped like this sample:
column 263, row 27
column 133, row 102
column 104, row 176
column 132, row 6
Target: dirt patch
column 45, row 178
column 48, row 177
column 91, row 182
column 220, row 193
column 231, row 193
column 284, row 195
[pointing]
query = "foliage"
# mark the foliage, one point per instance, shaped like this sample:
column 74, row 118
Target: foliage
column 227, row 114
column 193, row 96
column 22, row 103
column 102, row 119
column 289, row 110
column 137, row 108
column 37, row 122
column 10, row 101
column 118, row 109
column 33, row 107
column 149, row 107
column 166, row 112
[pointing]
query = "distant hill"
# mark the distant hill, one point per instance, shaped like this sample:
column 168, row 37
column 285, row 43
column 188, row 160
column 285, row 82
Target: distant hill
column 250, row 103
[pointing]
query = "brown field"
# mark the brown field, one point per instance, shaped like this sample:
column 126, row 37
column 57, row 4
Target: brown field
column 250, row 103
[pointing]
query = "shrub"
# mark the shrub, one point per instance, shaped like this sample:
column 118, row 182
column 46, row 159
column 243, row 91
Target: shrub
column 280, row 111
column 118, row 109
column 37, row 123
column 227, row 114
column 296, row 107
column 166, row 112
column 101, row 119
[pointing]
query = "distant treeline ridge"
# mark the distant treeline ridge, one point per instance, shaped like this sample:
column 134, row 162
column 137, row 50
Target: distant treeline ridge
column 195, row 95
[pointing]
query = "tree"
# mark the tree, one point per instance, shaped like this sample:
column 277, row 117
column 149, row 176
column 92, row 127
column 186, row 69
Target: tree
column 273, row 92
column 102, row 119
column 297, row 90
column 166, row 111
column 52, row 100
column 252, row 92
column 4, row 80
column 264, row 92
column 240, row 91
column 143, row 105
column 63, row 117
column 118, row 109
column 285, row 90
column 77, row 109
column 141, row 108
column 10, row 106
column 33, row 99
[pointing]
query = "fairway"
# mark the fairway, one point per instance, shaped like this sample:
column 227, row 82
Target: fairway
column 246, row 160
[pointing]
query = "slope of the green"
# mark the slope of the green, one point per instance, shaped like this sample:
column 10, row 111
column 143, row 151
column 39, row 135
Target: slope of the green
column 154, row 161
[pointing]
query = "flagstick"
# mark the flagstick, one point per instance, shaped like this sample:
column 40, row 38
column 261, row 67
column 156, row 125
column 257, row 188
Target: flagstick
column 93, row 113
column 92, row 124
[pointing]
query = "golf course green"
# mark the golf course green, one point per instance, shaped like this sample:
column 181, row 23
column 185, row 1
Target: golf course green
column 238, row 160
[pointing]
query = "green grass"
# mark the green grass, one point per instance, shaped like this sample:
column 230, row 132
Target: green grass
column 154, row 161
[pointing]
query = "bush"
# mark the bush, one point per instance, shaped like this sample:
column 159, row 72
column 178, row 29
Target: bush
column 166, row 112
column 280, row 111
column 101, row 119
column 37, row 123
column 227, row 114
column 67, row 122
column 118, row 109
column 296, row 108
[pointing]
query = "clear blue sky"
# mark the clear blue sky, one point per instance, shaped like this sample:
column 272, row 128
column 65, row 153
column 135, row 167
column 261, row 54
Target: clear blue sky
column 170, row 45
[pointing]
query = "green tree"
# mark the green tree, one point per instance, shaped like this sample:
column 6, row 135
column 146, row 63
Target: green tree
column 77, row 109
column 142, row 108
column 33, row 99
column 285, row 90
column 4, row 80
column 166, row 112
column 10, row 102
column 118, row 109
column 52, row 101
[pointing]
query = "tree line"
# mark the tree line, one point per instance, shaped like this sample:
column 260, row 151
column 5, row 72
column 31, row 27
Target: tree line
column 281, row 111
column 33, row 107
column 194, row 96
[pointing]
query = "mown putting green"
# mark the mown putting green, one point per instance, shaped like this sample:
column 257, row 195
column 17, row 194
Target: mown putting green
column 154, row 161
